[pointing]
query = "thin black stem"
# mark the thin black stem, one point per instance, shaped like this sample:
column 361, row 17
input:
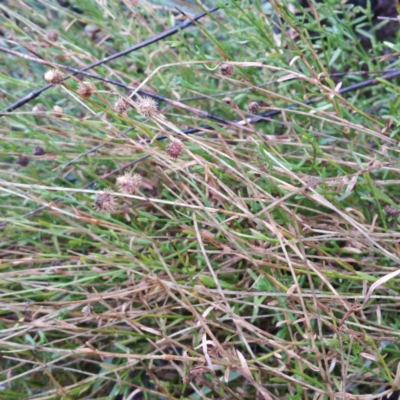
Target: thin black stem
column 147, row 42
column 74, row 71
column 262, row 117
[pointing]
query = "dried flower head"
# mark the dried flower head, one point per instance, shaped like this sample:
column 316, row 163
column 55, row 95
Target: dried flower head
column 92, row 31
column 312, row 182
column 52, row 36
column 226, row 69
column 227, row 100
column 146, row 106
column 392, row 211
column 57, row 111
column 253, row 107
column 128, row 182
column 39, row 110
column 23, row 161
column 53, row 76
column 105, row 201
column 175, row 148
column 87, row 311
column 85, row 89
column 121, row 105
column 38, row 151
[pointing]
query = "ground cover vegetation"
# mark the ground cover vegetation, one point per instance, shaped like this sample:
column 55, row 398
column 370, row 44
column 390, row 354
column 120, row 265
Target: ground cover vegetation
column 199, row 203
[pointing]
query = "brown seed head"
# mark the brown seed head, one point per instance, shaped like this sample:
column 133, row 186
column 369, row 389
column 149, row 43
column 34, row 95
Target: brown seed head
column 39, row 110
column 23, row 161
column 175, row 148
column 57, row 111
column 128, row 182
column 227, row 100
column 52, row 36
column 53, row 76
column 312, row 182
column 147, row 106
column 253, row 107
column 227, row 69
column 87, row 311
column 121, row 105
column 85, row 89
column 392, row 211
column 105, row 202
column 38, row 151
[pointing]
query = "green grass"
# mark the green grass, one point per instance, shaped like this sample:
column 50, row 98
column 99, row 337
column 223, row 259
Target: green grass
column 232, row 272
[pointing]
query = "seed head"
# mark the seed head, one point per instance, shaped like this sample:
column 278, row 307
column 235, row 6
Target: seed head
column 175, row 148
column 128, row 183
column 227, row 100
column 52, row 36
column 105, row 202
column 147, row 106
column 57, row 111
column 87, row 311
column 227, row 69
column 53, row 76
column 253, row 107
column 39, row 110
column 23, row 161
column 312, row 182
column 85, row 89
column 121, row 105
column 392, row 211
column 38, row 151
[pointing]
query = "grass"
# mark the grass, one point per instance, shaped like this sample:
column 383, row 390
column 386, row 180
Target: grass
column 261, row 263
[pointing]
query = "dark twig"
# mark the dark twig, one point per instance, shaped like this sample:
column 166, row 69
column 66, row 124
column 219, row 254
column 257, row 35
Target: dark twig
column 253, row 119
column 147, row 42
column 262, row 117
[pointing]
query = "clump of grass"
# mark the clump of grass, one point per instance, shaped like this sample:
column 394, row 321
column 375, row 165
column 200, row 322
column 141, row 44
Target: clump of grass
column 253, row 253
